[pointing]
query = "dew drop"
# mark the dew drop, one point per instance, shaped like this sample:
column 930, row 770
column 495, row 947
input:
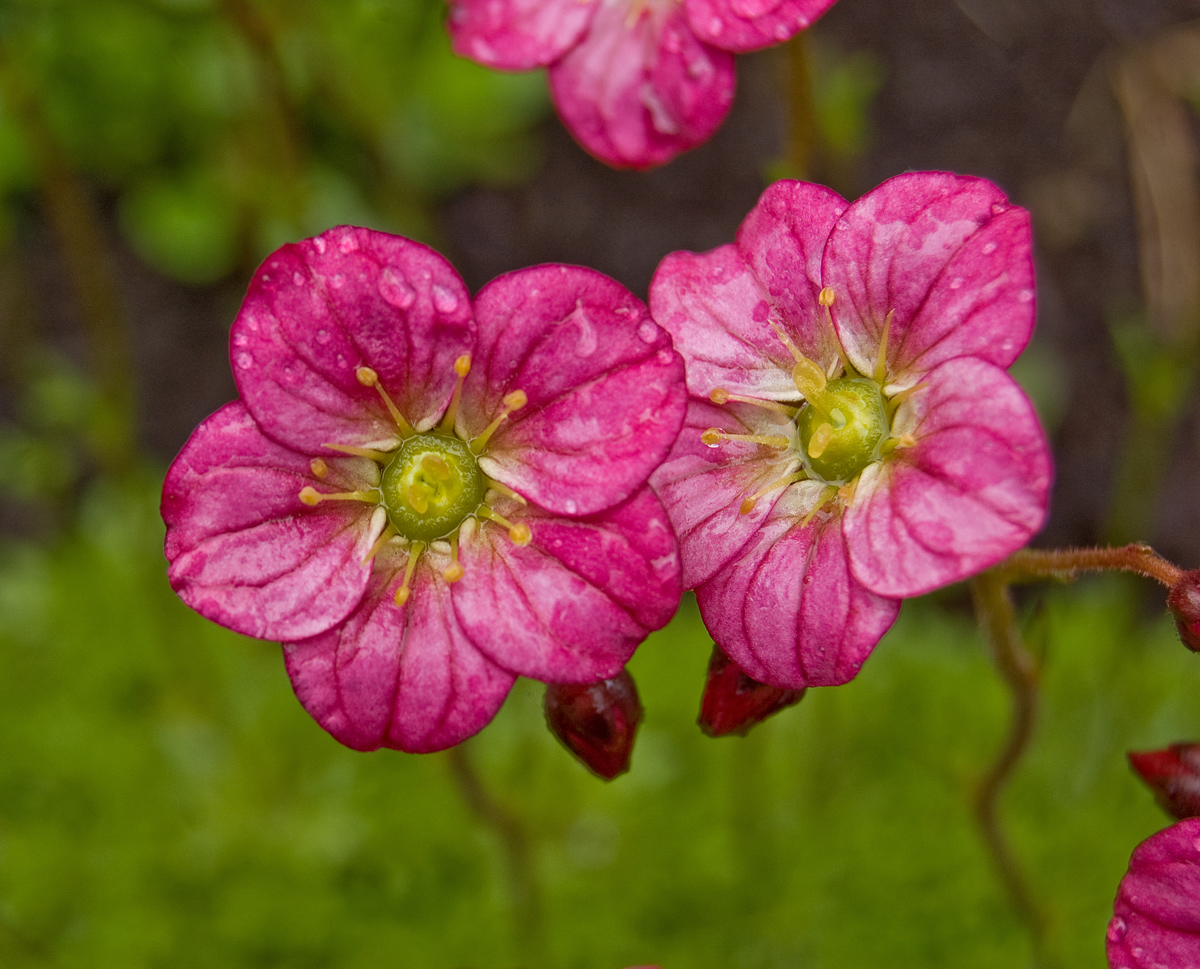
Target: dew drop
column 782, row 32
column 672, row 43
column 319, row 242
column 956, row 282
column 998, row 209
column 714, row 26
column 843, row 224
column 1025, row 295
column 337, row 281
column 253, row 324
column 240, row 340
column 1116, row 930
column 665, row 356
column 266, row 277
column 587, row 342
column 245, row 361
column 570, row 507
column 322, row 336
column 989, row 248
column 394, row 289
column 648, row 332
column 444, row 301
column 341, row 360
column 298, row 278
column 348, row 244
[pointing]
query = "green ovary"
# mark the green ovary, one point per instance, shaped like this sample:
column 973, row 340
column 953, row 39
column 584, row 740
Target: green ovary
column 845, row 429
column 430, row 486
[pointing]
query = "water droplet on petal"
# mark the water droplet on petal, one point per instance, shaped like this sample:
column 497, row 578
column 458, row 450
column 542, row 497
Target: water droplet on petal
column 266, row 277
column 989, row 248
column 348, row 243
column 337, row 281
column 298, row 278
column 319, row 242
column 245, row 361
column 782, row 32
column 665, row 356
column 1116, row 930
column 1025, row 295
column 648, row 332
column 571, row 507
column 394, row 289
column 997, row 209
column 842, row 224
column 322, row 336
column 444, row 301
column 672, row 43
column 586, row 341
column 253, row 324
column 240, row 340
column 956, row 282
column 714, row 26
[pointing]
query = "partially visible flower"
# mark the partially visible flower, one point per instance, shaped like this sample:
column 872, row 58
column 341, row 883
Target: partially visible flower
column 635, row 81
column 733, row 702
column 1174, row 776
column 597, row 722
column 1184, row 602
column 853, row 438
column 1156, row 915
column 423, row 497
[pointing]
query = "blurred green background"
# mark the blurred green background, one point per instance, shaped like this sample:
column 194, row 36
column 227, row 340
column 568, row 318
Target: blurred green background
column 164, row 801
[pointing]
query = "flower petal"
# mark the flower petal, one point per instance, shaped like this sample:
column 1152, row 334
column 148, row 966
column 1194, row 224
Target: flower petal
column 972, row 489
column 605, row 390
column 1156, row 915
column 405, row 677
column 517, row 35
column 319, row 309
column 244, row 551
column 574, row 604
column 745, row 25
column 703, row 487
column 637, row 94
column 786, row 609
column 889, row 248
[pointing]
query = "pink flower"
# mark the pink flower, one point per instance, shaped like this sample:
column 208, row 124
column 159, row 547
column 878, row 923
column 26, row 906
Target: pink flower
column 1156, row 915
column 635, row 81
column 423, row 497
column 853, row 437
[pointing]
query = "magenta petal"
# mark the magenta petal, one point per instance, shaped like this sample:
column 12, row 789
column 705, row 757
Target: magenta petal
column 703, row 487
column 1156, row 915
column 636, row 96
column 244, row 551
column 972, row 489
column 745, row 25
column 516, row 35
column 888, row 249
column 406, row 677
column 573, row 605
column 319, row 309
column 605, row 390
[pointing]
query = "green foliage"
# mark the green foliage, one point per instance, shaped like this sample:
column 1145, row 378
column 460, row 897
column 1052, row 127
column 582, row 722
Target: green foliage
column 164, row 801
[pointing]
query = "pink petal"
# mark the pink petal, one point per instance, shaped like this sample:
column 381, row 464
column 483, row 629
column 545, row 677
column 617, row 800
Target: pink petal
column 1156, row 915
column 516, row 35
column 888, row 250
column 972, row 490
column 574, row 604
column 637, row 94
column 244, row 551
column 405, row 677
column 745, row 25
column 605, row 390
column 786, row 609
column 703, row 487
column 321, row 308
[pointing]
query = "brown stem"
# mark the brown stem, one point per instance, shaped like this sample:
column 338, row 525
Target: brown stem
column 1029, row 565
column 802, row 118
column 517, row 851
column 994, row 611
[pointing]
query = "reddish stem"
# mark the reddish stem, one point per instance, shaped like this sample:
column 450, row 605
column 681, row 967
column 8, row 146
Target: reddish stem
column 1065, row 564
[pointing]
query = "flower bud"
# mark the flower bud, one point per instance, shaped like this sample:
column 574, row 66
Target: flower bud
column 597, row 722
column 733, row 702
column 1174, row 777
column 1184, row 602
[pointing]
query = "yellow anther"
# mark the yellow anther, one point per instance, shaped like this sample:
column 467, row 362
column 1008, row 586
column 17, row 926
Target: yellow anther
column 379, row 457
column 516, row 400
column 309, row 495
column 826, row 296
column 318, row 467
column 436, row 467
column 714, row 436
column 418, row 497
column 454, row 571
column 414, row 553
column 513, row 401
column 462, row 367
column 881, row 360
column 748, row 505
column 810, row 380
column 846, row 492
column 369, row 378
column 820, row 440
column 719, row 395
column 520, row 534
column 366, row 376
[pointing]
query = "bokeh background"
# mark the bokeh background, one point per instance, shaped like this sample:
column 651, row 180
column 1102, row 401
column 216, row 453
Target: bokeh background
column 165, row 802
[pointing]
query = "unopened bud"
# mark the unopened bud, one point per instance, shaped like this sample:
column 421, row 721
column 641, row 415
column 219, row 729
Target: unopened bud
column 733, row 702
column 597, row 722
column 1184, row 602
column 1174, row 777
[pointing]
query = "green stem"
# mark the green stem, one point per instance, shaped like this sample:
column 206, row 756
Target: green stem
column 802, row 114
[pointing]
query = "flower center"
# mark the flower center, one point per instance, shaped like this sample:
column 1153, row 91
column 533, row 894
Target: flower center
column 430, row 486
column 842, row 429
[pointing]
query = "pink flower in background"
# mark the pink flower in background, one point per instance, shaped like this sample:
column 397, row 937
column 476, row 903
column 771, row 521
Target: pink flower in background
column 853, row 437
column 635, row 81
column 1156, row 915
column 423, row 498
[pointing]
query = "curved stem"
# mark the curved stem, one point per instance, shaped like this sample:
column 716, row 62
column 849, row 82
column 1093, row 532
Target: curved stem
column 1029, row 564
column 994, row 610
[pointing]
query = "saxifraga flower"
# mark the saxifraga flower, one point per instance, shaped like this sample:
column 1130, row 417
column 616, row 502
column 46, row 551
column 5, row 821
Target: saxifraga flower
column 853, row 437
column 423, row 497
column 635, row 81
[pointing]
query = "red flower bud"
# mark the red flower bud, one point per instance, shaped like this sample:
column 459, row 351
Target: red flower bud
column 1174, row 777
column 1184, row 602
column 733, row 702
column 597, row 722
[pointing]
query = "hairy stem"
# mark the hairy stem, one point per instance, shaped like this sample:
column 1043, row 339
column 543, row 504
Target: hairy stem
column 1030, row 565
column 994, row 611
column 518, row 855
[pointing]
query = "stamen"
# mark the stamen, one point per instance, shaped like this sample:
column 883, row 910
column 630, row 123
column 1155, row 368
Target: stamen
column 826, row 297
column 897, row 399
column 369, row 378
column 514, row 401
column 720, row 395
column 881, row 361
column 519, row 532
column 827, row 495
column 787, row 342
column 820, row 440
column 714, row 436
column 310, row 496
column 414, row 553
column 790, row 479
column 462, row 367
column 506, row 491
column 454, row 571
column 895, row 443
column 436, row 467
column 384, row 537
column 379, row 457
column 318, row 467
column 810, row 381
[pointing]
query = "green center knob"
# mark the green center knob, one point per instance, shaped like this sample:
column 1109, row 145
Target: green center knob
column 430, row 486
column 843, row 435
